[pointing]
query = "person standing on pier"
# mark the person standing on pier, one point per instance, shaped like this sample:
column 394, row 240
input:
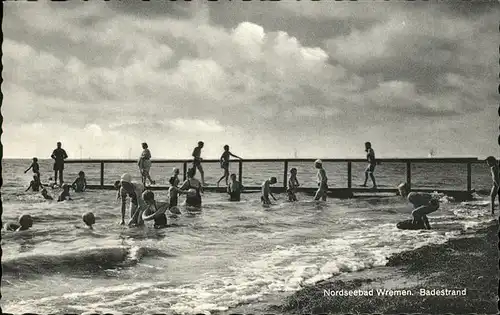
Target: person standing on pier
column 370, row 156
column 322, row 191
column 193, row 189
column 495, row 176
column 59, row 155
column 224, row 163
column 197, row 161
column 144, row 164
column 423, row 203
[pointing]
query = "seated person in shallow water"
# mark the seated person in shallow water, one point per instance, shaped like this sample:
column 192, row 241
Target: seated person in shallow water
column 423, row 204
column 495, row 177
column 35, row 184
column 266, row 191
column 80, row 184
column 65, row 193
column 46, row 195
column 234, row 189
column 154, row 210
column 24, row 223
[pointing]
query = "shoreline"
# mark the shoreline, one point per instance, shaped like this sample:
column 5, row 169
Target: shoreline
column 469, row 262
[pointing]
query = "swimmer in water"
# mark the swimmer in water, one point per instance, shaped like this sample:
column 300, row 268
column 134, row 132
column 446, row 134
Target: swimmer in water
column 193, row 189
column 266, row 191
column 154, row 210
column 224, row 163
column 175, row 176
column 173, row 195
column 35, row 167
column 80, row 184
column 35, row 184
column 234, row 189
column 423, row 204
column 137, row 204
column 89, row 219
column 293, row 184
column 197, row 161
column 46, row 195
column 495, row 177
column 24, row 223
column 322, row 191
column 370, row 156
column 65, row 193
column 144, row 164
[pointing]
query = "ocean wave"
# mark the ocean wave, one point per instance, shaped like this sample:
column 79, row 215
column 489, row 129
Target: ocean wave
column 86, row 260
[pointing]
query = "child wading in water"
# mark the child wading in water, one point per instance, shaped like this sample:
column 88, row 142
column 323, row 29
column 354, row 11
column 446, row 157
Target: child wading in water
column 224, row 163
column 495, row 176
column 89, row 219
column 154, row 210
column 35, row 183
column 173, row 194
column 80, row 183
column 35, row 167
column 266, row 191
column 65, row 193
column 46, row 195
column 293, row 183
column 234, row 189
column 24, row 223
column 321, row 193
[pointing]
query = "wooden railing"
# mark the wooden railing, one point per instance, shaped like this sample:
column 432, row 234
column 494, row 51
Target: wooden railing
column 467, row 161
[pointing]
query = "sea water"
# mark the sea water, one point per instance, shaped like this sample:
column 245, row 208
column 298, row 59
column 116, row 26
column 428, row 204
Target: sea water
column 227, row 255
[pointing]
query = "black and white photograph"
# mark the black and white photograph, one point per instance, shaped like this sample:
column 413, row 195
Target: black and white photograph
column 250, row 157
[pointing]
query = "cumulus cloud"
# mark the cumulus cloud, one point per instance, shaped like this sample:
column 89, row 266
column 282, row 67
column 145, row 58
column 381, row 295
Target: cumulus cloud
column 127, row 73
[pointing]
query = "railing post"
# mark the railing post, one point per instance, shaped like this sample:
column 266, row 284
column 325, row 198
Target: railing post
column 469, row 176
column 408, row 174
column 184, row 170
column 240, row 172
column 285, row 173
column 349, row 175
column 102, row 174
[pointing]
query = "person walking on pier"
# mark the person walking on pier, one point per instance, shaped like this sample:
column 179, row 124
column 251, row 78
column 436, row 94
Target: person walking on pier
column 423, row 203
column 224, row 163
column 370, row 156
column 322, row 191
column 144, row 164
column 197, row 161
column 59, row 155
column 495, row 176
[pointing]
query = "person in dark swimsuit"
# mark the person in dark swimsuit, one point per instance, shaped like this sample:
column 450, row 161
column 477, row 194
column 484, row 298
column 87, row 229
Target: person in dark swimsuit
column 234, row 189
column 35, row 167
column 35, row 183
column 193, row 188
column 224, row 163
column 65, row 193
column 59, row 155
column 155, row 210
column 173, row 195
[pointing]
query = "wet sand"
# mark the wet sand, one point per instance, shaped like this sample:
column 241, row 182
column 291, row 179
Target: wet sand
column 469, row 263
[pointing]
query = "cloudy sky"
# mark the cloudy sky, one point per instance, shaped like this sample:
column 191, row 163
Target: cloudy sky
column 264, row 77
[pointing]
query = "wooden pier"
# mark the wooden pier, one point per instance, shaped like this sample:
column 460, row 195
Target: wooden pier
column 337, row 192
